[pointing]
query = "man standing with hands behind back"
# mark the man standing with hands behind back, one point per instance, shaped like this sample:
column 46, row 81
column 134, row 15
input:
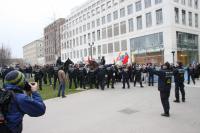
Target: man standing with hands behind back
column 62, row 80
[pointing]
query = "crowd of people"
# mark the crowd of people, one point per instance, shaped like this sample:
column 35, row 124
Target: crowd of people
column 28, row 101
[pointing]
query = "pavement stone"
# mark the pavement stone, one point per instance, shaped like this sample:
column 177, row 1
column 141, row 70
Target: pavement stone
column 134, row 110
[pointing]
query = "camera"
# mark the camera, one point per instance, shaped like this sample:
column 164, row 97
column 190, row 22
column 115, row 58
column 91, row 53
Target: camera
column 27, row 86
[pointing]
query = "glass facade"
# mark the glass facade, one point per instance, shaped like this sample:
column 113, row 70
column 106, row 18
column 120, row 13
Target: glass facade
column 187, row 45
column 147, row 49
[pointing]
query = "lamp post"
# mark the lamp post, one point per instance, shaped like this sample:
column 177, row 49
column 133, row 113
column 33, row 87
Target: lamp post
column 91, row 45
column 173, row 52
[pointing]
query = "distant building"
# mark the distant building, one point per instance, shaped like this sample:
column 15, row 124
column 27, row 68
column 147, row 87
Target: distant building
column 33, row 53
column 142, row 30
column 52, row 41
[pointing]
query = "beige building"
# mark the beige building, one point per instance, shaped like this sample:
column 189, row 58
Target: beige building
column 52, row 41
column 33, row 53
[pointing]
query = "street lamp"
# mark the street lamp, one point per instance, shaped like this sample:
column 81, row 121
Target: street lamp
column 91, row 45
column 173, row 52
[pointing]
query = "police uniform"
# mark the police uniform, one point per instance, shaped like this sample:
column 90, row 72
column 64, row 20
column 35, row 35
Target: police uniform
column 45, row 74
column 179, row 83
column 55, row 76
column 91, row 76
column 164, row 86
column 138, row 75
column 82, row 76
column 125, row 77
column 101, row 72
column 72, row 76
column 50, row 73
column 38, row 76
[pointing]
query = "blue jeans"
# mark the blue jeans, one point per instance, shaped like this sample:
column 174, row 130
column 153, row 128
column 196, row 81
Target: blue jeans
column 61, row 87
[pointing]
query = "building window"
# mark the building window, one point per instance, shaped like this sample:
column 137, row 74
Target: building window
column 159, row 17
column 148, row 20
column 110, row 47
column 108, row 4
column 104, row 49
column 80, row 29
column 190, row 3
column 93, row 24
column 103, row 19
column 103, row 33
column 98, row 22
column 109, row 31
column 190, row 18
column 99, row 50
column 117, row 46
column 89, row 38
column 176, row 15
column 147, row 3
column 115, row 15
column 98, row 35
column 123, row 45
column 196, row 4
column 93, row 36
column 77, row 42
column 123, row 27
column 94, row 51
column 103, row 8
column 130, row 9
column 183, row 2
column 88, row 26
column 138, row 6
column 116, row 29
column 158, row 1
column 77, row 52
column 196, row 20
column 139, row 22
column 81, row 42
column 109, row 18
column 122, row 12
column 85, row 52
column 130, row 25
column 84, row 39
column 183, row 17
column 84, row 28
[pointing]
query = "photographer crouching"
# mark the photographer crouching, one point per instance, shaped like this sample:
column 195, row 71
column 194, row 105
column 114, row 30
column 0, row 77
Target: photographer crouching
column 18, row 98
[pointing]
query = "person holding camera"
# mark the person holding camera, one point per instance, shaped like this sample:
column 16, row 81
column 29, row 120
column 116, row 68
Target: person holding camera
column 25, row 100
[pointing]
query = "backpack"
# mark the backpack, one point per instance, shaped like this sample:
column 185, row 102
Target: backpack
column 5, row 99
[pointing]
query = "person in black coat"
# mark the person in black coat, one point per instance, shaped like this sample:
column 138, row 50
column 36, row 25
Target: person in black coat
column 50, row 73
column 38, row 75
column 179, row 82
column 191, row 73
column 164, row 85
column 82, row 75
column 125, row 77
column 101, row 72
column 138, row 75
column 72, row 72
column 55, row 76
column 151, row 76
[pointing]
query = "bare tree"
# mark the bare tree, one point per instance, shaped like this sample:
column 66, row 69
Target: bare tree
column 5, row 55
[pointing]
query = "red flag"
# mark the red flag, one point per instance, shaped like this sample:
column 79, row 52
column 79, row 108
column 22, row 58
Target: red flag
column 125, row 59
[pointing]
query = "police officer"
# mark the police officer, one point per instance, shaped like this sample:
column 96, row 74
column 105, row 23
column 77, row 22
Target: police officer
column 91, row 77
column 191, row 73
column 101, row 72
column 125, row 77
column 50, row 73
column 179, row 82
column 151, row 76
column 44, row 70
column 38, row 76
column 55, row 76
column 164, row 85
column 72, row 76
column 110, row 76
column 138, row 75
column 82, row 75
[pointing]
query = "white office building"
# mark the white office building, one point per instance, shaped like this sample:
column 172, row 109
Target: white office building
column 145, row 30
column 33, row 53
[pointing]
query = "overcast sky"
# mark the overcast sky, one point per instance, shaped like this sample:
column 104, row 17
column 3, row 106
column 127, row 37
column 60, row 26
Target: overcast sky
column 23, row 21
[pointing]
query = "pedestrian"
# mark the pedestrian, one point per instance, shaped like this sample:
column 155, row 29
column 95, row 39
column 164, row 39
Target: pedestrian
column 62, row 82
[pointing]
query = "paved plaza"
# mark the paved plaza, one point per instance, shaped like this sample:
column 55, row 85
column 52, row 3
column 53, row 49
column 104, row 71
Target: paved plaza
column 134, row 110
